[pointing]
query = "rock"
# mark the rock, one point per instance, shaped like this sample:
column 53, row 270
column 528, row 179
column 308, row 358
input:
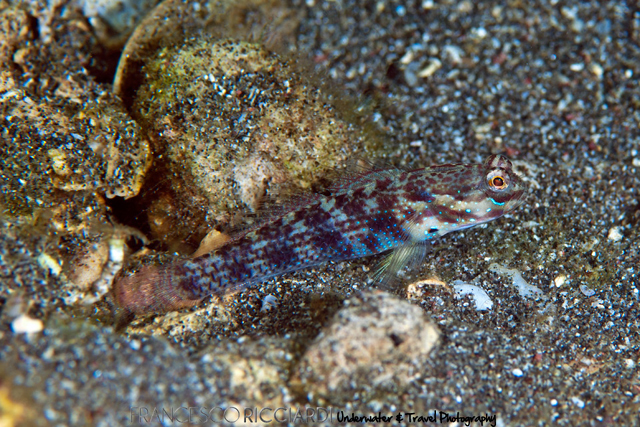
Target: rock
column 24, row 324
column 615, row 234
column 73, row 134
column 68, row 146
column 377, row 344
column 231, row 120
column 114, row 20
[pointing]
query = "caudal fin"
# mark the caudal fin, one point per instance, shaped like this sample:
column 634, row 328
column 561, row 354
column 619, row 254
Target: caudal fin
column 151, row 290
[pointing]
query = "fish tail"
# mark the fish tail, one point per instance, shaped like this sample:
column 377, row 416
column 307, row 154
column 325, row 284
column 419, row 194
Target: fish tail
column 152, row 290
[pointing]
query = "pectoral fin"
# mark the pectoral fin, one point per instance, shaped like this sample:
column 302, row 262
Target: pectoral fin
column 407, row 255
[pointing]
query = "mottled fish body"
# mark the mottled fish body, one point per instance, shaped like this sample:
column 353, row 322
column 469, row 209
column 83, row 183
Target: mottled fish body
column 368, row 214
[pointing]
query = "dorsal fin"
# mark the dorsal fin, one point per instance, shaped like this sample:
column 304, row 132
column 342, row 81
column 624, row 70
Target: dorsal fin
column 360, row 173
column 349, row 182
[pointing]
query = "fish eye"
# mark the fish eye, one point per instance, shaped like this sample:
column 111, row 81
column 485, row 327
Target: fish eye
column 497, row 181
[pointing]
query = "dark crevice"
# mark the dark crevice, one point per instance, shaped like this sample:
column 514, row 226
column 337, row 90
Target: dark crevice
column 103, row 64
column 161, row 211
column 132, row 213
column 396, row 339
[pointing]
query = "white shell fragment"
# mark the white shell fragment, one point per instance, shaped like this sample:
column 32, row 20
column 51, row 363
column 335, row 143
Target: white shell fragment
column 110, row 269
column 586, row 291
column 517, row 372
column 431, row 68
column 48, row 262
column 614, row 234
column 480, row 296
column 268, row 303
column 578, row 402
column 24, row 324
column 524, row 289
column 560, row 280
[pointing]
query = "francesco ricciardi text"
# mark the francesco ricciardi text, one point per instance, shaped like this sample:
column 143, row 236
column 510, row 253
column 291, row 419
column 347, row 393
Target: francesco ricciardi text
column 190, row 415
column 202, row 415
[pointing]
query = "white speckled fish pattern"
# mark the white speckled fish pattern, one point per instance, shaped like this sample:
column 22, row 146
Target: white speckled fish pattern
column 368, row 214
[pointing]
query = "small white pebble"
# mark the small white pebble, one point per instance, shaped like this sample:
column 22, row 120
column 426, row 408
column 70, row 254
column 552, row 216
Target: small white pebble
column 433, row 66
column 614, row 234
column 517, row 372
column 408, row 57
column 553, row 402
column 596, row 70
column 480, row 32
column 116, row 250
column 587, row 291
column 559, row 281
column 577, row 67
column 48, row 262
column 453, row 54
column 24, row 324
column 629, row 363
column 578, row 402
column 428, row 4
column 268, row 303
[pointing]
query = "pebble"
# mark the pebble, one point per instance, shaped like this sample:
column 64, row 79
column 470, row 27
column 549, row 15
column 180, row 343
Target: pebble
column 48, row 262
column 433, row 66
column 614, row 234
column 560, row 280
column 376, row 344
column 578, row 402
column 24, row 324
column 586, row 291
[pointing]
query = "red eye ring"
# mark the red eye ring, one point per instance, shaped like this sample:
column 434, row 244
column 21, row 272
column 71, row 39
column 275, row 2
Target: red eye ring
column 497, row 181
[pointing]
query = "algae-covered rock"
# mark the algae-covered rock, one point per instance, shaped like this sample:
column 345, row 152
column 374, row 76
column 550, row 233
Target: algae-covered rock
column 230, row 121
column 79, row 140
